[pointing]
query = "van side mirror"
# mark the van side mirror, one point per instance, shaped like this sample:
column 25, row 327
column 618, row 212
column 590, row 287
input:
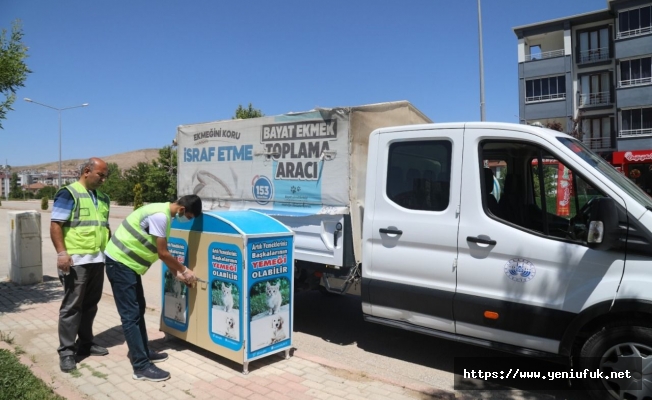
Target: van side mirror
column 602, row 224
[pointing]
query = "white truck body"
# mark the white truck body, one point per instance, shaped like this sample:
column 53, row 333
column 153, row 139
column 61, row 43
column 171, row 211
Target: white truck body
column 306, row 169
column 560, row 263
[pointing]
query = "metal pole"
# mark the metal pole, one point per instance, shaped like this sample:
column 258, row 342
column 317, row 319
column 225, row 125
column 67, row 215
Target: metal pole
column 59, row 149
column 482, row 113
column 59, row 111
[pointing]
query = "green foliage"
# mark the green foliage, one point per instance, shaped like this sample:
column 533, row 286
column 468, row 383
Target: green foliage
column 138, row 196
column 115, row 187
column 246, row 113
column 13, row 70
column 258, row 295
column 216, row 294
column 48, row 191
column 17, row 382
column 44, row 203
column 15, row 191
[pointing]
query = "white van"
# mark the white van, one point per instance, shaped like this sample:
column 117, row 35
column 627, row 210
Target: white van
column 559, row 264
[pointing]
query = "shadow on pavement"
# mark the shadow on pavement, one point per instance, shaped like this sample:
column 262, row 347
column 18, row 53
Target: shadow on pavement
column 13, row 296
column 339, row 320
column 110, row 337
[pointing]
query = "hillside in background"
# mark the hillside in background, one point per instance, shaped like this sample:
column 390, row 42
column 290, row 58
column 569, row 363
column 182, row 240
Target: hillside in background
column 124, row 161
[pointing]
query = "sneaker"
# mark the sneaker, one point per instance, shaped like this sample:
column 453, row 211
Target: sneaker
column 157, row 357
column 67, row 363
column 94, row 350
column 153, row 356
column 151, row 373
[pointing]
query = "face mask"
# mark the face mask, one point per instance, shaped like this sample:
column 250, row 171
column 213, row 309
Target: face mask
column 182, row 218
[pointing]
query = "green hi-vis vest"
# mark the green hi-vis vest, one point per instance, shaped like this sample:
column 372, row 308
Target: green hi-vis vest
column 131, row 245
column 86, row 230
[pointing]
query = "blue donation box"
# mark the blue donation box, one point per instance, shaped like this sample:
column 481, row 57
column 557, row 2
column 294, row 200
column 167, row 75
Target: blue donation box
column 242, row 307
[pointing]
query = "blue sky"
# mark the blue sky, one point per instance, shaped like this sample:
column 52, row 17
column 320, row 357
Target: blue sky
column 147, row 66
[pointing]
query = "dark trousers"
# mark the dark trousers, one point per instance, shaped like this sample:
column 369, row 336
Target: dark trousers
column 82, row 291
column 129, row 298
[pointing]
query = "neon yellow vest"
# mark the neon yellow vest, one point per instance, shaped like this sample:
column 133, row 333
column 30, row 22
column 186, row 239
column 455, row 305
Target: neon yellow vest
column 86, row 230
column 131, row 245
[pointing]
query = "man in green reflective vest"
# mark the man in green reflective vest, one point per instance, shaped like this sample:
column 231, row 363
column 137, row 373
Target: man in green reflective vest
column 138, row 242
column 79, row 229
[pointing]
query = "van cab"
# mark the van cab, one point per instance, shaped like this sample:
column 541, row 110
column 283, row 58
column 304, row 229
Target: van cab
column 510, row 236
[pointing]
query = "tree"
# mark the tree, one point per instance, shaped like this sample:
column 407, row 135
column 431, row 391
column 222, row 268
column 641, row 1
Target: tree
column 116, row 187
column 48, row 191
column 161, row 181
column 13, row 70
column 245, row 113
column 138, row 196
column 44, row 202
column 15, row 191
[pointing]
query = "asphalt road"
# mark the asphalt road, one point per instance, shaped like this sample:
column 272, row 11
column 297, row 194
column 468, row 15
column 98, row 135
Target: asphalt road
column 332, row 327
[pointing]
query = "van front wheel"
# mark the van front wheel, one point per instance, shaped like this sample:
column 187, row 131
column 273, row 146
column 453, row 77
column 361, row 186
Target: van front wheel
column 623, row 354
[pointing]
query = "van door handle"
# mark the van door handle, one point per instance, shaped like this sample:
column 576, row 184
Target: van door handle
column 474, row 239
column 390, row 231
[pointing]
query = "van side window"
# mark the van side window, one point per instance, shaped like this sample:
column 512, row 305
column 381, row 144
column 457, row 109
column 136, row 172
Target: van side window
column 418, row 174
column 538, row 192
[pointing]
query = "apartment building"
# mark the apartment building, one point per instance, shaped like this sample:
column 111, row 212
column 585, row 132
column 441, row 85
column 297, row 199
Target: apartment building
column 592, row 74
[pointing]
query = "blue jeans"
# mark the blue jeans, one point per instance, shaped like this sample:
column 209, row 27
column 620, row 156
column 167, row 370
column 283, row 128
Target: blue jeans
column 129, row 298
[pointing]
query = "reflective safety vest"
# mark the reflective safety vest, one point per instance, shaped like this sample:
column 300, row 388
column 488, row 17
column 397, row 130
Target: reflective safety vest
column 87, row 229
column 131, row 245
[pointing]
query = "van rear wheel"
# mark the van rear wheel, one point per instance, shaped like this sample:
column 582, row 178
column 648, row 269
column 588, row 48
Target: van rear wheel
column 624, row 349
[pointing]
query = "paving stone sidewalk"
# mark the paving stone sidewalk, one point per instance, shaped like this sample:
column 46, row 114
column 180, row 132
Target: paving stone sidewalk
column 28, row 314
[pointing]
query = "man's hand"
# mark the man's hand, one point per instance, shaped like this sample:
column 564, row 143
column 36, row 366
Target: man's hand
column 64, row 262
column 189, row 277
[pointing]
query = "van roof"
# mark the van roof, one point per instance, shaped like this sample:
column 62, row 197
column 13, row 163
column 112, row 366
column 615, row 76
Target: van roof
column 535, row 130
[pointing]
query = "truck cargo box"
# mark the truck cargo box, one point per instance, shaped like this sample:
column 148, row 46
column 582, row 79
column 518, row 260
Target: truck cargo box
column 306, row 169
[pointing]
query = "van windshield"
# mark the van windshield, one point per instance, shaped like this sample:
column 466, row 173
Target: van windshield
column 608, row 171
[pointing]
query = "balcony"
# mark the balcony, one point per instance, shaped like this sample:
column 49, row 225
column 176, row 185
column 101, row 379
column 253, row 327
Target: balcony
column 635, row 132
column 546, row 97
column 598, row 144
column 544, row 55
column 635, row 82
column 634, row 32
column 595, row 99
column 593, row 55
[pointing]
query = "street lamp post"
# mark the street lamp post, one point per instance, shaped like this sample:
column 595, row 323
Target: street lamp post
column 59, row 111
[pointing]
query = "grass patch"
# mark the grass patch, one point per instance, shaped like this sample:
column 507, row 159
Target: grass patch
column 18, row 383
column 75, row 373
column 6, row 337
column 94, row 372
column 19, row 350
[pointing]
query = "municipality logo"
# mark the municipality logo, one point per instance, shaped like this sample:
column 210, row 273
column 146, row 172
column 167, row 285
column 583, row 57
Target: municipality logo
column 520, row 270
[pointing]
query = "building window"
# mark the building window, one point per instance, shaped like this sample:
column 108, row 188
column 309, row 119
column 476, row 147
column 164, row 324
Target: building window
column 543, row 89
column 597, row 132
column 635, row 72
column 636, row 122
column 595, row 89
column 634, row 22
column 594, row 46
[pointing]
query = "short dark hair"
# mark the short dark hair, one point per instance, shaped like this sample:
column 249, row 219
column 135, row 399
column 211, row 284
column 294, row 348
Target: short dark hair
column 192, row 203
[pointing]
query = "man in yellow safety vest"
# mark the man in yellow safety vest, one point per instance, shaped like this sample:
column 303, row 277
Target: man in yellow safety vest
column 79, row 229
column 138, row 242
